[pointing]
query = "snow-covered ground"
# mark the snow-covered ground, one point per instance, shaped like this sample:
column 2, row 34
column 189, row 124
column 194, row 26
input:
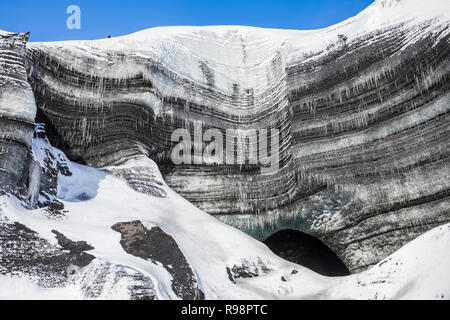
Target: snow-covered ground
column 419, row 270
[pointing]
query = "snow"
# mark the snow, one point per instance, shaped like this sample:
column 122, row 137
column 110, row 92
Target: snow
column 419, row 270
column 235, row 54
column 242, row 55
column 260, row 43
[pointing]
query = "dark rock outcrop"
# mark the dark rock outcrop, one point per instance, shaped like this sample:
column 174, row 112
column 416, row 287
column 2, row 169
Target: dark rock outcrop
column 51, row 163
column 77, row 255
column 157, row 246
column 247, row 270
column 23, row 252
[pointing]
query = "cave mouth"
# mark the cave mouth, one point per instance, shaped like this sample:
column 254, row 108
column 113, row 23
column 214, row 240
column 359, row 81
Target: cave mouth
column 307, row 251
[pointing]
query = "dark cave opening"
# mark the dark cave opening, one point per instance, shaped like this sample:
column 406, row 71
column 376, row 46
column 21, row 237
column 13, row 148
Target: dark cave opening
column 308, row 251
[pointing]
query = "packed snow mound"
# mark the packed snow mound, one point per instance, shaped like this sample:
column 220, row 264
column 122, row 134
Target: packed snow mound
column 16, row 97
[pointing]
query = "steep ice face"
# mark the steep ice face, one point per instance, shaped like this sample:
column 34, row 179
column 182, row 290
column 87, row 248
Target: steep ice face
column 16, row 96
column 17, row 114
column 17, row 102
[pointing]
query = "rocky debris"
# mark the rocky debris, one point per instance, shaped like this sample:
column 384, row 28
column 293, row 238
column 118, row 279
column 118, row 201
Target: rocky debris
column 77, row 255
column 72, row 246
column 23, row 252
column 157, row 246
column 247, row 270
column 55, row 210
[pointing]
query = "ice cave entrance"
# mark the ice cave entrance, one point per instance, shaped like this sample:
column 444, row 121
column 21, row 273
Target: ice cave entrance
column 308, row 251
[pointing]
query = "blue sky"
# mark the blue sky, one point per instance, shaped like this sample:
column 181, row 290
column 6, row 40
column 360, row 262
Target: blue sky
column 46, row 19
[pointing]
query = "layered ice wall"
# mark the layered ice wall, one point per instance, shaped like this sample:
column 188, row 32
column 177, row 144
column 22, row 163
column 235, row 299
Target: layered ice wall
column 371, row 116
column 126, row 96
column 18, row 172
column 362, row 110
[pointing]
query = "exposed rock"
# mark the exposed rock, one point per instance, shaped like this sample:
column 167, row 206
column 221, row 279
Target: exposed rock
column 23, row 252
column 76, row 249
column 55, row 210
column 157, row 246
column 247, row 270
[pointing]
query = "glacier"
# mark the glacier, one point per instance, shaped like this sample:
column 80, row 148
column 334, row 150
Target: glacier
column 89, row 196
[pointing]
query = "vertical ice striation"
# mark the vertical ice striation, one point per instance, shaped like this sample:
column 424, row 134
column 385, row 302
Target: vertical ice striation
column 17, row 113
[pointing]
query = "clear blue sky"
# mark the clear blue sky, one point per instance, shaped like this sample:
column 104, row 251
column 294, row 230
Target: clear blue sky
column 46, row 19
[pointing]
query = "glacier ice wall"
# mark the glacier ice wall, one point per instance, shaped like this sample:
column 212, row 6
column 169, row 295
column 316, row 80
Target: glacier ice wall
column 362, row 108
column 18, row 171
